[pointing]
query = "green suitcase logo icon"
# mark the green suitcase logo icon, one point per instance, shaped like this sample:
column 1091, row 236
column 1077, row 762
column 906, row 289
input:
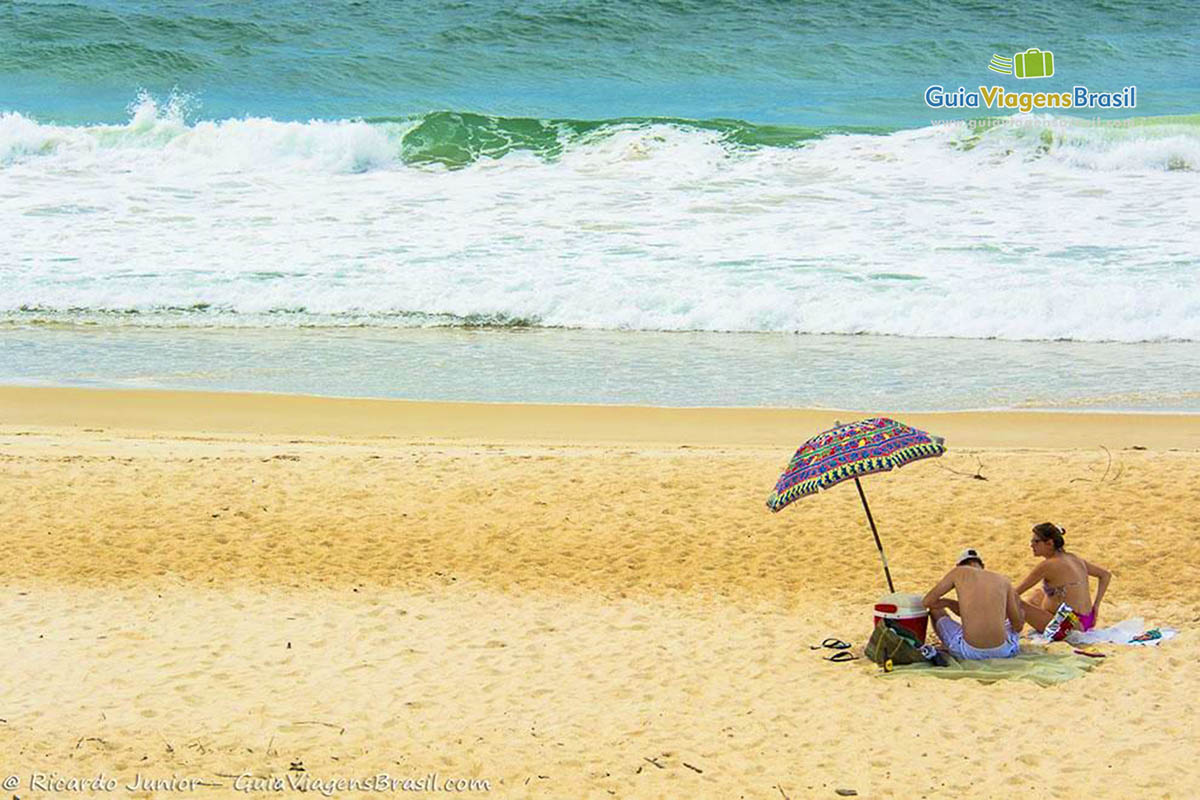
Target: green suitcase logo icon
column 1033, row 63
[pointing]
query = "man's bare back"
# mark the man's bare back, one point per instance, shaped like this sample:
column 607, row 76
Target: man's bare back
column 985, row 601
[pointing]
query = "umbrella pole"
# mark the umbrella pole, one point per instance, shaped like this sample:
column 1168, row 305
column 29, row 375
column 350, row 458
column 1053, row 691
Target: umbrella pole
column 887, row 573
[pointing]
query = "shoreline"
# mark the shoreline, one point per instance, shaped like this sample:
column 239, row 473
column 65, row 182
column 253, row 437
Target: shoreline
column 266, row 414
column 641, row 368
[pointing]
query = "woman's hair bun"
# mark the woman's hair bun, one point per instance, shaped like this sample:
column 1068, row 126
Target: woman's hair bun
column 1049, row 532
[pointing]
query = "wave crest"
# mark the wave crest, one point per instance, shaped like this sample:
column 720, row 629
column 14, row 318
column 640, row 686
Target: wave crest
column 459, row 139
column 660, row 224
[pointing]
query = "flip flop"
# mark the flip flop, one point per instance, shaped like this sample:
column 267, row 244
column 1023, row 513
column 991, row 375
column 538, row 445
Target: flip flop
column 1090, row 653
column 832, row 643
column 845, row 655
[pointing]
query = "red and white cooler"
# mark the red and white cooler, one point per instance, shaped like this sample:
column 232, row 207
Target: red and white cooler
column 905, row 609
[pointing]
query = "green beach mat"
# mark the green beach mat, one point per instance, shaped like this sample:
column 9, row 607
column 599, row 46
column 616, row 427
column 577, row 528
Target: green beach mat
column 1044, row 669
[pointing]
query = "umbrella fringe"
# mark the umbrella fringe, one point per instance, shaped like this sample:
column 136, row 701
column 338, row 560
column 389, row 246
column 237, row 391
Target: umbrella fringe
column 916, row 452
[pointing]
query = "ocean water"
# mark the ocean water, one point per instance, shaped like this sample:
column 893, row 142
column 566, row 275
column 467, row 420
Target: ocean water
column 668, row 203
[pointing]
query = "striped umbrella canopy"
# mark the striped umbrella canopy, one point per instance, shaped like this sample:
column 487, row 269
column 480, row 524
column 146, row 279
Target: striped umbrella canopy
column 847, row 451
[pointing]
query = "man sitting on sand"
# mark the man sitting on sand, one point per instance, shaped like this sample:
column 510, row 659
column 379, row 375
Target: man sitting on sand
column 987, row 604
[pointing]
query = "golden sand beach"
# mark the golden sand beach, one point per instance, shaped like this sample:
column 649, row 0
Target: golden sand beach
column 564, row 601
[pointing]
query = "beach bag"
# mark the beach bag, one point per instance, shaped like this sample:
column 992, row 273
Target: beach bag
column 893, row 644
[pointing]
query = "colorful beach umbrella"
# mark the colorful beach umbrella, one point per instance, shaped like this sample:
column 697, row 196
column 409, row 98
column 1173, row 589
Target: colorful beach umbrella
column 848, row 451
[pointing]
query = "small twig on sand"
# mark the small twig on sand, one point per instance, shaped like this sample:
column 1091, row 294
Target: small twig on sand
column 338, row 728
column 693, row 769
column 1107, row 467
column 780, row 788
column 655, row 763
column 977, row 475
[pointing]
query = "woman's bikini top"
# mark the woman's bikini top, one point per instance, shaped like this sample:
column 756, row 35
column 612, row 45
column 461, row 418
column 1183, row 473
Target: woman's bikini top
column 1058, row 591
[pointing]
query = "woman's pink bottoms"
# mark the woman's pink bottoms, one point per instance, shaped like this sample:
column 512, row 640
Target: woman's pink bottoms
column 1060, row 625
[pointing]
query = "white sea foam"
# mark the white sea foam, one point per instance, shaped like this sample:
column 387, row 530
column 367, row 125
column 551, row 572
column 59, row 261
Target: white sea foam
column 1084, row 232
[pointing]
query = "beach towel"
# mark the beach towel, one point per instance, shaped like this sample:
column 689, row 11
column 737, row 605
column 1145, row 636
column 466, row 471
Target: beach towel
column 1044, row 669
column 1131, row 632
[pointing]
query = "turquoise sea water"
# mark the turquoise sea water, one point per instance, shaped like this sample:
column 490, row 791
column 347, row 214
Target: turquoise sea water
column 743, row 196
column 823, row 63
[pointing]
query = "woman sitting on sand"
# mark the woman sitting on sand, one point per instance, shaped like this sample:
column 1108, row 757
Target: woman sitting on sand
column 1064, row 578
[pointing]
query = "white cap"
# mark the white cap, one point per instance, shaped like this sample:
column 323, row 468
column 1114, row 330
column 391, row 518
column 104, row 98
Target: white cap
column 967, row 555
